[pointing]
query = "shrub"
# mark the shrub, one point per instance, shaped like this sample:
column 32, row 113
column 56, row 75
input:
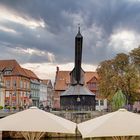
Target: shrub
column 20, row 108
column 8, row 107
column 1, row 107
column 14, row 107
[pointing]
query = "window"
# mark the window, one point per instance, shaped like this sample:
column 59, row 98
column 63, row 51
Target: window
column 7, row 84
column 97, row 102
column 24, row 84
column 101, row 102
column 92, row 85
column 24, row 94
column 14, row 94
column 7, row 94
column 21, row 84
column 21, row 95
column 27, row 85
column 27, row 94
column 7, row 72
column 14, row 83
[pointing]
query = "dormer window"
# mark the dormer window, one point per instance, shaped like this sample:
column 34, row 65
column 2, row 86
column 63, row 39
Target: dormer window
column 92, row 85
column 7, row 72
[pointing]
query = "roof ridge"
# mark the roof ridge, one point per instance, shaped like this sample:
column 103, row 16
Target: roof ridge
column 17, row 69
column 31, row 74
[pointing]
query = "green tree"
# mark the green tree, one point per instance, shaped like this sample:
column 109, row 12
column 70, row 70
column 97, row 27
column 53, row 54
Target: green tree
column 118, row 100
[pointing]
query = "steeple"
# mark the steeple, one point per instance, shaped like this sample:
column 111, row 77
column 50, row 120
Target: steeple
column 77, row 96
column 78, row 29
column 78, row 34
column 77, row 72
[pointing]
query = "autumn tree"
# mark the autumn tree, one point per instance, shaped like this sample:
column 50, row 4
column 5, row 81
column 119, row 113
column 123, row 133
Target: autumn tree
column 135, row 58
column 105, row 73
column 118, row 74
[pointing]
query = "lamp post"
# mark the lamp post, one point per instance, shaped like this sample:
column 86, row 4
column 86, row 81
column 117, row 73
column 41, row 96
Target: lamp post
column 15, row 90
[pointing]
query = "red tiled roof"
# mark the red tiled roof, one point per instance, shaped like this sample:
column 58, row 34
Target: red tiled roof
column 45, row 81
column 31, row 74
column 14, row 66
column 89, row 75
column 63, row 79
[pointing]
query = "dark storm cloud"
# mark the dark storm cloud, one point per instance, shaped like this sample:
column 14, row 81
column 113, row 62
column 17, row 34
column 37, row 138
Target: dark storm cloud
column 99, row 20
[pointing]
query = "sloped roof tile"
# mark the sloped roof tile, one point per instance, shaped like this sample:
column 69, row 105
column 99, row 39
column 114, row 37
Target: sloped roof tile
column 45, row 81
column 30, row 74
column 63, row 79
column 15, row 67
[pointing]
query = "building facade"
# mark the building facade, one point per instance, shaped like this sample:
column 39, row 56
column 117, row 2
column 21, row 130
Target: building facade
column 46, row 94
column 20, row 87
column 62, row 83
column 34, row 87
column 2, row 88
column 16, row 83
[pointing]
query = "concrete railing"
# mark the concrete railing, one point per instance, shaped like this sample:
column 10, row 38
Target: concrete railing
column 78, row 116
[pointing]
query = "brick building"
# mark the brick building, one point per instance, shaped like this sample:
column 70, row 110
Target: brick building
column 16, row 82
column 62, row 82
column 20, row 87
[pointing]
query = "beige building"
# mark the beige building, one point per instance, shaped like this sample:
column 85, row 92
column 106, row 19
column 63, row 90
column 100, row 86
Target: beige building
column 16, row 83
column 46, row 94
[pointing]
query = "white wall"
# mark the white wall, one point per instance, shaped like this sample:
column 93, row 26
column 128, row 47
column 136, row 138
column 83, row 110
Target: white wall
column 102, row 104
column 1, row 97
column 43, row 94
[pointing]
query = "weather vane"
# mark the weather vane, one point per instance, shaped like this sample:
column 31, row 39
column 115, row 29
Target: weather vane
column 79, row 27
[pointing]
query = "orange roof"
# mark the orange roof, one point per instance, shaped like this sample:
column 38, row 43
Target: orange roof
column 89, row 75
column 63, row 79
column 13, row 66
column 30, row 74
column 45, row 81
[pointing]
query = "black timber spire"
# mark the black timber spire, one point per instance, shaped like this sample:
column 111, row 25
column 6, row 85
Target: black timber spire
column 76, row 74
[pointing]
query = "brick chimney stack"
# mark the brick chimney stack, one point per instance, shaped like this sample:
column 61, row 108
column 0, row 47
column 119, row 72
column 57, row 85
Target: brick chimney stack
column 57, row 69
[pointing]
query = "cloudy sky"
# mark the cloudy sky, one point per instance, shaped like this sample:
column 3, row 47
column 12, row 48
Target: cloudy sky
column 40, row 34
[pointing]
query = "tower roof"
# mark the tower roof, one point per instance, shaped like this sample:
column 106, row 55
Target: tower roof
column 79, row 33
column 77, row 90
column 13, row 66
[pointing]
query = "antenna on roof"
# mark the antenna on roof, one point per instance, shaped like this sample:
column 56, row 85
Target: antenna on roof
column 79, row 27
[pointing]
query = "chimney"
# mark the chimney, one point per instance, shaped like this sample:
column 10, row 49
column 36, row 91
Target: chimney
column 57, row 69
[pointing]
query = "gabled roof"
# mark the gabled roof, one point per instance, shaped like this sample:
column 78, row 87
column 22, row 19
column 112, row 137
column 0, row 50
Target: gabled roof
column 90, row 75
column 47, row 82
column 13, row 66
column 63, row 79
column 30, row 74
column 77, row 90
